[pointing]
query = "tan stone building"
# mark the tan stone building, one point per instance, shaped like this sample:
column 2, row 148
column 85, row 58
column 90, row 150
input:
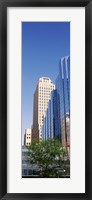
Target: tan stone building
column 65, row 134
column 42, row 96
column 28, row 137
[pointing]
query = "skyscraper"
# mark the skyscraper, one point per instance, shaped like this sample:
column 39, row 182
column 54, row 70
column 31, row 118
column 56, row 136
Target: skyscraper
column 42, row 96
column 63, row 89
column 56, row 123
column 51, row 125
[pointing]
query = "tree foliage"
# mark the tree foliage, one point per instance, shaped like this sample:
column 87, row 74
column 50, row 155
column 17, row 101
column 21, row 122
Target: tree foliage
column 49, row 156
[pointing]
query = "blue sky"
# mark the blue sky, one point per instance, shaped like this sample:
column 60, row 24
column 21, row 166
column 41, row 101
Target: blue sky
column 43, row 44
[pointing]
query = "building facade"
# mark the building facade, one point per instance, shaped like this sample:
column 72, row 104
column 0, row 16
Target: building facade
column 28, row 137
column 66, row 131
column 56, row 123
column 42, row 96
column 51, row 125
column 63, row 89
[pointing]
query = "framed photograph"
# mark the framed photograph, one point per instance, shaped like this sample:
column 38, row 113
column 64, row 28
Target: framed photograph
column 45, row 104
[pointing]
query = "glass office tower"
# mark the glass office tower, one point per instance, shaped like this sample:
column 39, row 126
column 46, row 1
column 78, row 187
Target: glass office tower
column 56, row 123
column 63, row 89
column 51, row 125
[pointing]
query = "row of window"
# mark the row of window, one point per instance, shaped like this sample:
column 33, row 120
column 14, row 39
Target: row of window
column 45, row 92
column 28, row 143
column 41, row 96
column 46, row 88
column 44, row 106
column 28, row 137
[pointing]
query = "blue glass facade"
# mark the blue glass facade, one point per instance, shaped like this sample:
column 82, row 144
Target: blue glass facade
column 51, row 125
column 56, row 123
column 56, row 115
column 63, row 89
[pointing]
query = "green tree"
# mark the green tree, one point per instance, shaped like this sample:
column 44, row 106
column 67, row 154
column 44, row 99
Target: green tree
column 49, row 156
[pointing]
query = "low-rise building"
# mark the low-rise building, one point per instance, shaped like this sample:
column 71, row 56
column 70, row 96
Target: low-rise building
column 28, row 137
